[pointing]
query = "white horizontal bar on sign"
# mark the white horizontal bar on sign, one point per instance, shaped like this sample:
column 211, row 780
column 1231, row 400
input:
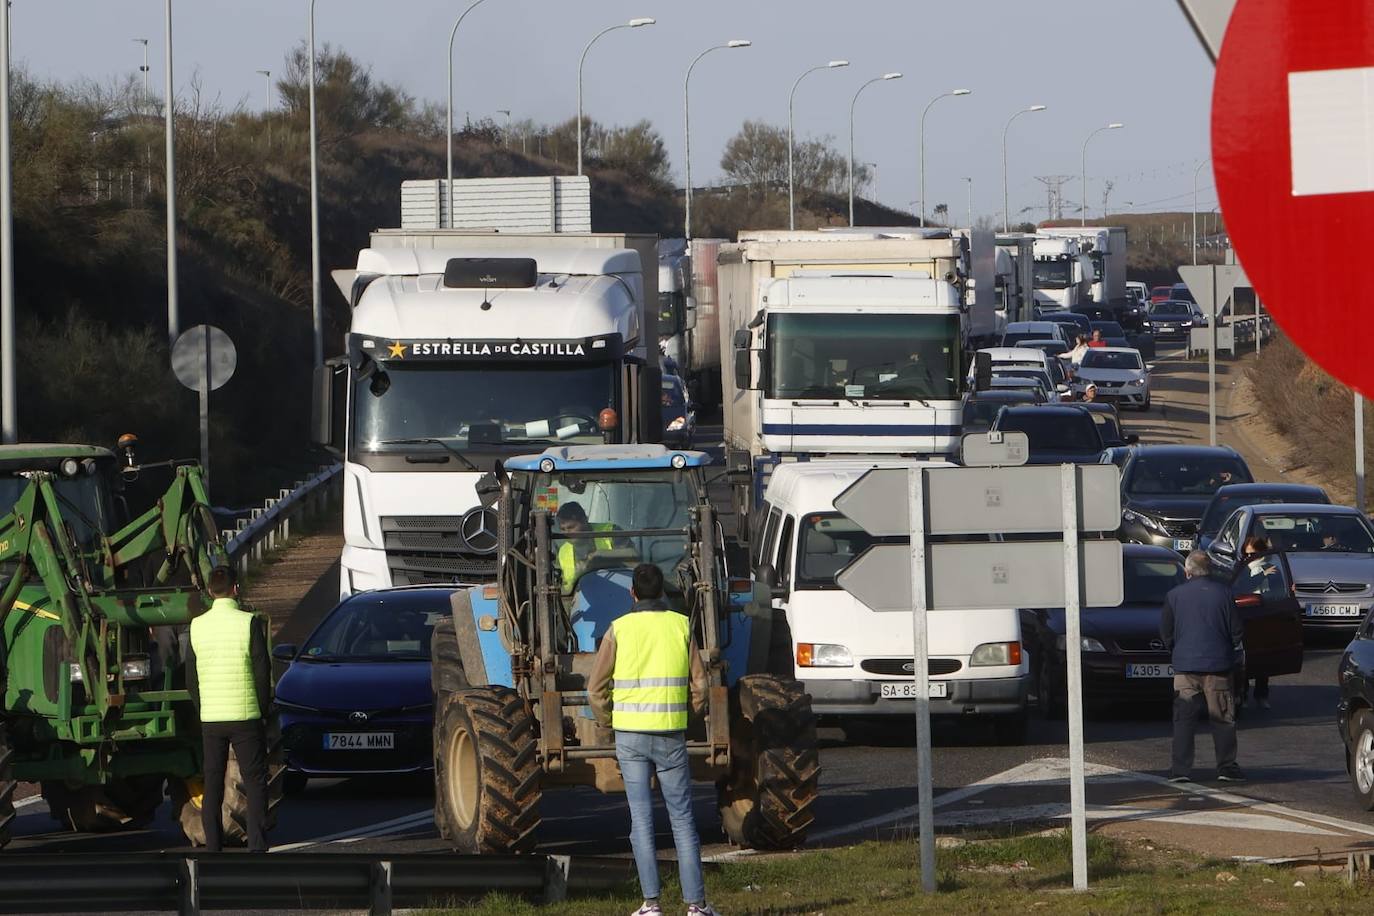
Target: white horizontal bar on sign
column 1331, row 130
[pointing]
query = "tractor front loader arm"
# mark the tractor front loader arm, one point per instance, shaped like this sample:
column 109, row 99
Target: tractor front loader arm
column 181, row 527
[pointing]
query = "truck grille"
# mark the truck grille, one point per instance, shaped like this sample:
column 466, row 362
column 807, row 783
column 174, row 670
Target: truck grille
column 902, row 667
column 426, row 549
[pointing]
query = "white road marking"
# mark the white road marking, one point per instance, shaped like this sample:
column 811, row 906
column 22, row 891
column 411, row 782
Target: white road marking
column 367, row 831
column 1231, row 820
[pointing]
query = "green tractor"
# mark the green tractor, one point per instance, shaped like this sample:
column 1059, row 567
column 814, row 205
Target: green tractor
column 93, row 603
column 510, row 665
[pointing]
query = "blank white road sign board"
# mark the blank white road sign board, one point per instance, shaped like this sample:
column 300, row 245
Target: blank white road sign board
column 975, row 576
column 1005, row 500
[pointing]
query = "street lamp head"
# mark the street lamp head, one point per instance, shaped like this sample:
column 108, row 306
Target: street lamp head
column 962, row 92
column 267, row 73
column 1036, row 108
column 636, row 23
column 891, row 76
column 837, row 63
column 1115, row 125
column 739, row 43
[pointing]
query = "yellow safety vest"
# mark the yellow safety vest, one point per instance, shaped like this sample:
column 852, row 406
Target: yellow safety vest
column 568, row 559
column 649, row 692
column 222, row 638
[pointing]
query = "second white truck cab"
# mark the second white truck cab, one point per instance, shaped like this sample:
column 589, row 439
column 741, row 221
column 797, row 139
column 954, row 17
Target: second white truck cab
column 857, row 663
column 1063, row 273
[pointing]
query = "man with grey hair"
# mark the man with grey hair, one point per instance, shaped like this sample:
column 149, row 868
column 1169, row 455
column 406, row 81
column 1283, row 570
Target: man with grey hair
column 1202, row 630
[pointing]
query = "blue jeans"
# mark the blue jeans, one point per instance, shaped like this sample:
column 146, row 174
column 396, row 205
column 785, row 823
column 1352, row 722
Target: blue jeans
column 641, row 755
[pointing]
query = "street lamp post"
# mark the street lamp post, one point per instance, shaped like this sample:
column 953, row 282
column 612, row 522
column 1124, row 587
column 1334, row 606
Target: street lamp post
column 267, row 107
column 687, row 124
column 144, row 70
column 505, row 140
column 1195, row 173
column 791, row 196
column 9, row 417
column 970, row 203
column 632, row 24
column 169, row 113
column 1006, row 209
column 874, row 167
column 923, row 144
column 448, row 194
column 316, row 296
column 1115, row 125
column 852, row 103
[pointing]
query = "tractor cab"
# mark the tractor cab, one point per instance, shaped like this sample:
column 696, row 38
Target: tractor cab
column 83, row 482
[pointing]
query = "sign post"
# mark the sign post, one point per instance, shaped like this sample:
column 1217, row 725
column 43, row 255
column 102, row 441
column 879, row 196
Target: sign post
column 970, row 567
column 1214, row 285
column 204, row 359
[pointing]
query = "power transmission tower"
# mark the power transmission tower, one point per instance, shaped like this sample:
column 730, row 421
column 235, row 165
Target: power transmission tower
column 1054, row 189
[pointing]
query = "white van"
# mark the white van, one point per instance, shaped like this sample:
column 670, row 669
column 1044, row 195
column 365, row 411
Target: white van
column 856, row 662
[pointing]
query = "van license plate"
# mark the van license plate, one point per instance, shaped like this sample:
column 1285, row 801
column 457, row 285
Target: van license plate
column 1333, row 610
column 1149, row 670
column 360, row 741
column 938, row 691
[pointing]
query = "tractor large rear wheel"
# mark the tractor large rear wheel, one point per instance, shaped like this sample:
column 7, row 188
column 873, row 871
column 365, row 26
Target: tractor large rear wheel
column 6, row 785
column 125, row 804
column 765, row 802
column 486, row 772
column 446, row 662
column 187, row 795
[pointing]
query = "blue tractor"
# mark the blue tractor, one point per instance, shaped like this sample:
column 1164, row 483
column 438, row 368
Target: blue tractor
column 510, row 665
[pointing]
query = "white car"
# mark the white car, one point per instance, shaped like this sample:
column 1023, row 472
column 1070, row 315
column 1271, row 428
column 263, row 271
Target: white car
column 1119, row 373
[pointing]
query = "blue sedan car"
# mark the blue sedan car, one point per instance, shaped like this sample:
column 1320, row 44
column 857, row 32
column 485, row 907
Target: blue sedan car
column 356, row 697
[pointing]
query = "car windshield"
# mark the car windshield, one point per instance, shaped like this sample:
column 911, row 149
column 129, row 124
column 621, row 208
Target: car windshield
column 864, row 355
column 1055, row 274
column 1108, row 427
column 1148, row 580
column 1182, row 293
column 378, row 626
column 1222, row 505
column 1184, row 475
column 981, row 413
column 1069, row 431
column 1314, row 531
column 433, row 406
column 628, row 519
column 1181, row 309
column 1097, row 359
column 829, row 543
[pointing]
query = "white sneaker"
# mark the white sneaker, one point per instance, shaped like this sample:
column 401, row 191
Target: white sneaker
column 648, row 909
column 701, row 909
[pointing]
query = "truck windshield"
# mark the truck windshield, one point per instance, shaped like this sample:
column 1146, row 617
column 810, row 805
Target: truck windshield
column 867, row 355
column 1056, row 274
column 431, row 407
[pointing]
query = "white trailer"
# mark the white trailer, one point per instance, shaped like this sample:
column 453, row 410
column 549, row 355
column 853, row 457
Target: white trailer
column 843, row 343
column 466, row 348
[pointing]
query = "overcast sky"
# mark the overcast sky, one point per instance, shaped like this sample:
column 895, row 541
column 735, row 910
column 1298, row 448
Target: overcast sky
column 1134, row 61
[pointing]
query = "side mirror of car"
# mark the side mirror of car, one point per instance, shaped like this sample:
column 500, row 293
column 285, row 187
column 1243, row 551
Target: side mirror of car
column 284, row 652
column 1149, row 367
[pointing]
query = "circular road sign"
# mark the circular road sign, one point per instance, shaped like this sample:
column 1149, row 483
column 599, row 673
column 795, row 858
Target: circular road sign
column 188, row 357
column 1293, row 155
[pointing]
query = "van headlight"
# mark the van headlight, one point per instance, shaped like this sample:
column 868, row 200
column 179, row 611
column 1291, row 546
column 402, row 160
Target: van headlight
column 995, row 653
column 823, row 655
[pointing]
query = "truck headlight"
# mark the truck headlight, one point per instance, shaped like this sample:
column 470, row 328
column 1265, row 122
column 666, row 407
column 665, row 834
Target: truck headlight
column 823, row 655
column 995, row 653
column 1089, row 644
column 136, row 668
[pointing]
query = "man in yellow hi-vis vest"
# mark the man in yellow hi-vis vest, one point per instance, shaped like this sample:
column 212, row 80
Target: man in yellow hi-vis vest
column 573, row 553
column 229, row 676
column 647, row 674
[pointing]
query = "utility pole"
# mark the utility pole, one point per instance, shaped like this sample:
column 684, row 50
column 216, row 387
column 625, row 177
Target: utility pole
column 9, row 415
column 144, row 70
column 169, row 113
column 970, row 203
column 267, row 110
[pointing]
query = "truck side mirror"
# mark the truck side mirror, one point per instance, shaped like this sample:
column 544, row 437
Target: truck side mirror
column 744, row 365
column 743, row 339
column 982, row 371
column 329, row 399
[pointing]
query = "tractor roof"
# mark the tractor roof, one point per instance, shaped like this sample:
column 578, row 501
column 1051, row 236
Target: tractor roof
column 46, row 456
column 607, row 458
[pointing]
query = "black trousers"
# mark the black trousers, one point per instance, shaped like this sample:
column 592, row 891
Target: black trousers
column 249, row 740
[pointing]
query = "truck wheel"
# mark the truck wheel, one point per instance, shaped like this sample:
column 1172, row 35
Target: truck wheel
column 187, row 794
column 6, row 785
column 446, row 663
column 1362, row 758
column 765, row 801
column 486, row 772
column 122, row 805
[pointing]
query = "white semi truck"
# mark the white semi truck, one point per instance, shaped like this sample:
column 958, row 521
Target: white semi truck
column 465, row 348
column 1063, row 273
column 843, row 343
column 1105, row 246
column 689, row 313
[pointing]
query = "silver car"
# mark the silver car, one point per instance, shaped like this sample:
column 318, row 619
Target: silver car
column 1119, row 373
column 1330, row 550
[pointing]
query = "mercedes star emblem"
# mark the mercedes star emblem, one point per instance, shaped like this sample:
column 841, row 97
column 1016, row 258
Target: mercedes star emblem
column 478, row 530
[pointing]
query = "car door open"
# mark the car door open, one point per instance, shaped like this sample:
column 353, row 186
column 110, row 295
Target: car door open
column 1263, row 590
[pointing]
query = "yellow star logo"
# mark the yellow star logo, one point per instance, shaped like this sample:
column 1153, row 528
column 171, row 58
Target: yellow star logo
column 398, row 350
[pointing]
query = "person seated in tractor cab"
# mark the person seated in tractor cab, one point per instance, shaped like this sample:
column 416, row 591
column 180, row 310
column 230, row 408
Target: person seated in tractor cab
column 574, row 553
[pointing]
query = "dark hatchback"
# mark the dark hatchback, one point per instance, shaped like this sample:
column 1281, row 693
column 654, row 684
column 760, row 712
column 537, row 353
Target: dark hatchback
column 1239, row 495
column 1124, row 658
column 1166, row 488
column 1109, row 426
column 1355, row 712
column 356, row 697
column 981, row 409
column 1058, row 433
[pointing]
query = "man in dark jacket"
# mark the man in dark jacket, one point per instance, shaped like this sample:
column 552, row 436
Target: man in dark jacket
column 1202, row 630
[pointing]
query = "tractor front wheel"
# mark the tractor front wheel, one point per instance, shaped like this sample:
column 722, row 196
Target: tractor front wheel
column 187, row 795
column 124, row 804
column 6, row 785
column 486, row 772
column 765, row 801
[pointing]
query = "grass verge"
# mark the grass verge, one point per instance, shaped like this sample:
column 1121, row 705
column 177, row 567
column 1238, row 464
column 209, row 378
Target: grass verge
column 1021, row 874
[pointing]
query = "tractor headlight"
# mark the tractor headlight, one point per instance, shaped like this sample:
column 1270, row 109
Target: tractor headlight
column 679, row 461
column 547, row 465
column 76, row 675
column 70, row 467
column 136, row 668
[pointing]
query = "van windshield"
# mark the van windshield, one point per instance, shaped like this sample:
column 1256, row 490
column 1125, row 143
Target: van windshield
column 829, row 543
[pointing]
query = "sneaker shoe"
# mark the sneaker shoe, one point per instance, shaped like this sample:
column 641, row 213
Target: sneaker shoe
column 701, row 909
column 648, row 908
column 1231, row 775
column 1180, row 778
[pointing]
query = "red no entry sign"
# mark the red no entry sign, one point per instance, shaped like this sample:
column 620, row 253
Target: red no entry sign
column 1293, row 153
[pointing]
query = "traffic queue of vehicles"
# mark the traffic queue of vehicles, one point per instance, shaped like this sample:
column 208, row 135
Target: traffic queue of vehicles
column 831, row 352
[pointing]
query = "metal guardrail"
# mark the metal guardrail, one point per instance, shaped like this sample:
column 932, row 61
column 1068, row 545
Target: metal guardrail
column 189, row 884
column 271, row 525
